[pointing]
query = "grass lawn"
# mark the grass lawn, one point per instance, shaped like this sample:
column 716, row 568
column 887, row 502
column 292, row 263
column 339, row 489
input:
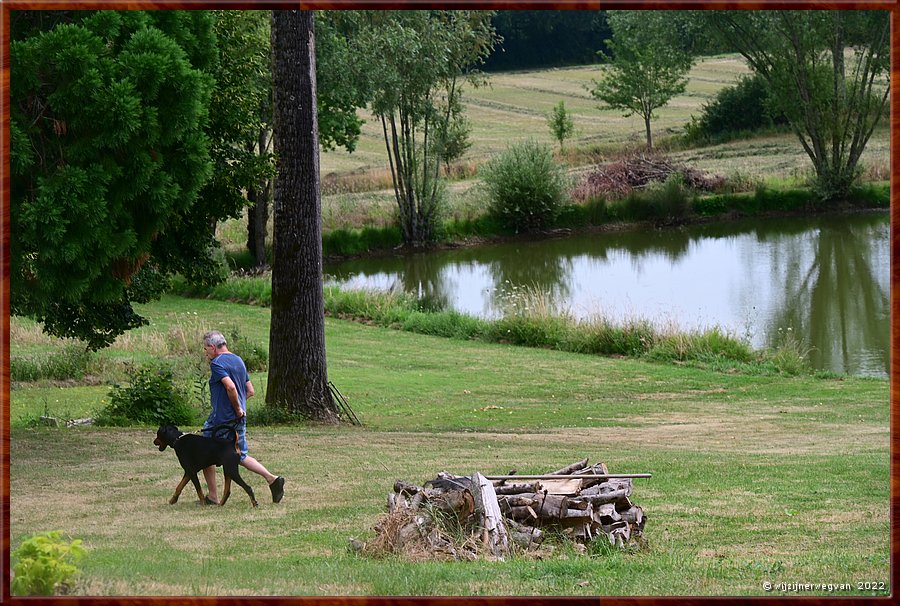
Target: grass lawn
column 755, row 478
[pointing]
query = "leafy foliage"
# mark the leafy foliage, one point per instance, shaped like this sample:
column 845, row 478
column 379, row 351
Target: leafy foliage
column 416, row 63
column 646, row 67
column 827, row 72
column 254, row 355
column 526, row 187
column 739, row 108
column 109, row 152
column 45, row 564
column 561, row 123
column 540, row 38
column 151, row 398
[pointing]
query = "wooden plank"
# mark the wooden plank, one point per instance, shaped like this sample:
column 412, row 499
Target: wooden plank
column 565, row 487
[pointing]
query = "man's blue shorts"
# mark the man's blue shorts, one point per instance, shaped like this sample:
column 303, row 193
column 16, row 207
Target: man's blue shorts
column 225, row 433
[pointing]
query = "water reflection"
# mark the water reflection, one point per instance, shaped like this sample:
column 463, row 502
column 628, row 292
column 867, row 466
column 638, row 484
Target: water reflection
column 824, row 278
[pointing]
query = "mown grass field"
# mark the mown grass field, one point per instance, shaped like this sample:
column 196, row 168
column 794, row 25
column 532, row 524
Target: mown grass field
column 755, row 478
column 513, row 107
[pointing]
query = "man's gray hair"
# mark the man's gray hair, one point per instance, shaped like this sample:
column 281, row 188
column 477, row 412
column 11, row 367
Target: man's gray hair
column 214, row 337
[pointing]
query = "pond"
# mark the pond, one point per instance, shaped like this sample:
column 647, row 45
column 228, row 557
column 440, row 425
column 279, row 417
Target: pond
column 823, row 279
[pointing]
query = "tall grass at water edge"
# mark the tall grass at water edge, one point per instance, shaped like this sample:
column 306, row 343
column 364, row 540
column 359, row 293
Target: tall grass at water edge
column 529, row 317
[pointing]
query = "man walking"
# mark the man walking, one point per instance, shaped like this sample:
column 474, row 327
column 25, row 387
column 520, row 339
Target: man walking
column 229, row 388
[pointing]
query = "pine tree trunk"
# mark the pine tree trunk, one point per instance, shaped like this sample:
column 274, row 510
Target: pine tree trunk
column 298, row 377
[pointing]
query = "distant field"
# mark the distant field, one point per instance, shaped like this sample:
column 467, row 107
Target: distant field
column 513, row 107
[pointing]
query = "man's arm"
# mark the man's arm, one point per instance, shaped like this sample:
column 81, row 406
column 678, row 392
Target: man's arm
column 250, row 391
column 232, row 391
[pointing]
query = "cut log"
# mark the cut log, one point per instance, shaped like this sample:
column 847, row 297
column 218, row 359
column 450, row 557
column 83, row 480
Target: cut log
column 571, row 514
column 416, row 501
column 568, row 469
column 523, row 514
column 601, row 499
column 516, row 488
column 460, row 503
column 595, row 469
column 405, row 488
column 610, row 485
column 396, row 501
column 517, row 500
column 550, row 506
column 634, row 516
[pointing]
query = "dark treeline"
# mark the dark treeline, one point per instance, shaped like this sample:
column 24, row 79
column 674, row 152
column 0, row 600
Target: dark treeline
column 547, row 38
column 537, row 39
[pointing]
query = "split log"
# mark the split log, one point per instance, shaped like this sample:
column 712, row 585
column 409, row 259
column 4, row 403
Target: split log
column 495, row 536
column 606, row 514
column 564, row 487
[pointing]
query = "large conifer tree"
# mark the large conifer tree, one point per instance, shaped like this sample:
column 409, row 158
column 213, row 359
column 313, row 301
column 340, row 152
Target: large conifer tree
column 108, row 154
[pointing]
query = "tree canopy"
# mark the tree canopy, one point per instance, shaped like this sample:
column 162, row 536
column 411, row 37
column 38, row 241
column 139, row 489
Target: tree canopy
column 108, row 154
column 647, row 65
column 417, row 61
column 828, row 75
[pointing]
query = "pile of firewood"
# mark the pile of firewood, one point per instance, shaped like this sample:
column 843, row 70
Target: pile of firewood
column 618, row 179
column 466, row 517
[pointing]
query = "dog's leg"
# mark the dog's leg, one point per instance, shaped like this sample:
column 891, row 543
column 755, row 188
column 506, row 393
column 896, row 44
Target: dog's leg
column 178, row 489
column 240, row 482
column 226, row 492
column 196, row 483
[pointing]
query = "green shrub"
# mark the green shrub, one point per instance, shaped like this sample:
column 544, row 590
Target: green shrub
column 735, row 109
column 525, row 186
column 254, row 355
column 661, row 203
column 152, row 398
column 70, row 362
column 45, row 564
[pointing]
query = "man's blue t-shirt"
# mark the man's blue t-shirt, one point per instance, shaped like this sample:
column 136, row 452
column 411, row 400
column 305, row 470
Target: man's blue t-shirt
column 226, row 365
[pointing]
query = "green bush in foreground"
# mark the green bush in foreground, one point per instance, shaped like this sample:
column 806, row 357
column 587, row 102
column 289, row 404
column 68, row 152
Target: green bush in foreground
column 525, row 186
column 45, row 564
column 152, row 398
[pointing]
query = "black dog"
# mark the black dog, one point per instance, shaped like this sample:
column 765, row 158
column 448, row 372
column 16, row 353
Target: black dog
column 197, row 452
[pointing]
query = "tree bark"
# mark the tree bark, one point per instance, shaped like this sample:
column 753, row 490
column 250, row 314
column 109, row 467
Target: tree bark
column 298, row 376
